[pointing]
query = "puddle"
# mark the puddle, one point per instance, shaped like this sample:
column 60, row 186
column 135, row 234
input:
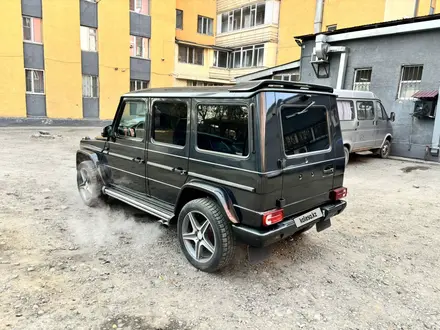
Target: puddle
column 414, row 168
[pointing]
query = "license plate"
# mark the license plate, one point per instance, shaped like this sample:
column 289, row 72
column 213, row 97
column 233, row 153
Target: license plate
column 308, row 217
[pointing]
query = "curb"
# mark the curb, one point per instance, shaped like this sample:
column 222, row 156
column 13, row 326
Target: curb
column 48, row 122
column 412, row 160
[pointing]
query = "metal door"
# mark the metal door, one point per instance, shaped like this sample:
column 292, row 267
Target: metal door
column 365, row 125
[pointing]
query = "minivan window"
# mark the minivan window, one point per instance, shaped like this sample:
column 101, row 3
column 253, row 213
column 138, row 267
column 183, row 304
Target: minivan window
column 382, row 113
column 365, row 110
column 167, row 119
column 223, row 128
column 305, row 129
column 346, row 110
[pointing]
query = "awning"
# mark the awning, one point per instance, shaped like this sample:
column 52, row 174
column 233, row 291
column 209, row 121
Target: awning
column 426, row 94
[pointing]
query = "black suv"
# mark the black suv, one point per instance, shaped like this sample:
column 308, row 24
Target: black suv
column 258, row 162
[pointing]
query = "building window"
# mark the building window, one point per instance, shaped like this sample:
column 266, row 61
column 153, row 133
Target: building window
column 90, row 86
column 221, row 59
column 179, row 19
column 243, row 18
column 287, row 77
column 331, row 28
column 223, row 128
column 204, row 25
column 410, row 80
column 362, row 79
column 169, row 122
column 34, row 81
column 247, row 57
column 139, row 47
column 32, row 29
column 191, row 55
column 88, row 39
column 198, row 83
column 136, row 85
column 140, row 6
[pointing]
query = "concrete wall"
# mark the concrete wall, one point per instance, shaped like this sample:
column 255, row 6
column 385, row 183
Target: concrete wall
column 385, row 55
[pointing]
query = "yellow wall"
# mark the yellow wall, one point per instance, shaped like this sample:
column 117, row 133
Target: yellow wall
column 424, row 6
column 162, row 43
column 12, row 82
column 62, row 58
column 114, row 55
column 191, row 10
column 296, row 18
column 398, row 9
column 347, row 13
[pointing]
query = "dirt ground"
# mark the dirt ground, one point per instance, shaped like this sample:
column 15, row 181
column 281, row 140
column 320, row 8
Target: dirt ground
column 66, row 266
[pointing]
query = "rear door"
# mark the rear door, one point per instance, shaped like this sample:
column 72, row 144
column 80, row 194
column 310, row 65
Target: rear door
column 366, row 125
column 308, row 125
column 168, row 147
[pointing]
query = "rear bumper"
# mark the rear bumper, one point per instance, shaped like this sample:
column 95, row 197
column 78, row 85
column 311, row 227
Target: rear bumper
column 259, row 237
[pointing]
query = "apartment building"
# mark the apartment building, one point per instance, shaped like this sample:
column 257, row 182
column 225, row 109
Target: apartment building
column 74, row 58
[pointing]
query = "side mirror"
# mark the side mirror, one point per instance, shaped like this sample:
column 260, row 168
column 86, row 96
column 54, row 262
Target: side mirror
column 392, row 116
column 107, row 131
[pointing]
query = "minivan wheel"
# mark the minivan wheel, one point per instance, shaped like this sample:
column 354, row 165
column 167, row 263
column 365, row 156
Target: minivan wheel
column 347, row 155
column 205, row 235
column 89, row 185
column 385, row 150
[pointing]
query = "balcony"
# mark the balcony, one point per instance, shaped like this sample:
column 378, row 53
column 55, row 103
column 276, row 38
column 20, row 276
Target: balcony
column 251, row 36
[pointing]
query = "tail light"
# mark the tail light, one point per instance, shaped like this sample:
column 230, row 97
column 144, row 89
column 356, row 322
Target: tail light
column 338, row 193
column 272, row 217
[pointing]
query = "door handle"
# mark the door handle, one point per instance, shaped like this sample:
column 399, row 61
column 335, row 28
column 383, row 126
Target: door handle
column 328, row 170
column 179, row 170
column 138, row 160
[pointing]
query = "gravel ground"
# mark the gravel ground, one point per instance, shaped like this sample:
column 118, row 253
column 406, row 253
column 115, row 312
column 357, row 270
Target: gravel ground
column 66, row 266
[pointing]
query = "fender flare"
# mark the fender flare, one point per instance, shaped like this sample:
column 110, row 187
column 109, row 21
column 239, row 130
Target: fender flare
column 219, row 194
column 83, row 155
column 386, row 138
column 349, row 145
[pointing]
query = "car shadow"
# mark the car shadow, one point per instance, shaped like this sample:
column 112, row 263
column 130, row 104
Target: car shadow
column 359, row 159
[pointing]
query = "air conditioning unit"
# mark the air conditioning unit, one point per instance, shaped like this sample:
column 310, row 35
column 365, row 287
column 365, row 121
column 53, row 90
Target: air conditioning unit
column 424, row 109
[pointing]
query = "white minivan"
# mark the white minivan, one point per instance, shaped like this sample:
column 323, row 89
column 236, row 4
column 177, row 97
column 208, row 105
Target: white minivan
column 365, row 123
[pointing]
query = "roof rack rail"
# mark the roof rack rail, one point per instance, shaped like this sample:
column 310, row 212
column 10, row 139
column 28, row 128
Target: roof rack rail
column 250, row 86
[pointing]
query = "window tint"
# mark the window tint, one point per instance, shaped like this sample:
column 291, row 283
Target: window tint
column 132, row 123
column 346, row 110
column 169, row 122
column 365, row 110
column 305, row 129
column 382, row 112
column 223, row 128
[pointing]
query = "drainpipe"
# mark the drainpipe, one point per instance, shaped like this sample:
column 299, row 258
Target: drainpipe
column 318, row 16
column 343, row 60
column 416, row 7
column 435, row 145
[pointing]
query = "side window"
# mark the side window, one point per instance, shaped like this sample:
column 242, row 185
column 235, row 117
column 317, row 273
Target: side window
column 345, row 110
column 365, row 110
column 223, row 128
column 305, row 129
column 169, row 122
column 132, row 122
column 382, row 113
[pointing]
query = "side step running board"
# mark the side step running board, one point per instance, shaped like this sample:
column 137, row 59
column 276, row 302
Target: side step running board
column 139, row 204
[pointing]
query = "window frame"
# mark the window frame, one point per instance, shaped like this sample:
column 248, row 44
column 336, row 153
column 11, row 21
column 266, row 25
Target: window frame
column 120, row 112
column 357, row 110
column 193, row 54
column 31, row 27
column 253, row 14
column 208, row 102
column 136, row 81
column 87, row 76
column 89, row 35
column 401, row 81
column 356, row 84
column 151, row 126
column 205, row 24
column 255, row 51
column 181, row 15
column 32, row 81
column 216, row 56
column 290, row 75
column 137, row 8
column 312, row 153
column 332, row 27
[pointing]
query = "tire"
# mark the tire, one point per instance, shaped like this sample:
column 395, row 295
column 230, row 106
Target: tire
column 347, row 155
column 385, row 150
column 89, row 184
column 210, row 244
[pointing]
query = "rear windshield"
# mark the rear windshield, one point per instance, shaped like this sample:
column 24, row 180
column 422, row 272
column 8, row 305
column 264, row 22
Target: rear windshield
column 305, row 128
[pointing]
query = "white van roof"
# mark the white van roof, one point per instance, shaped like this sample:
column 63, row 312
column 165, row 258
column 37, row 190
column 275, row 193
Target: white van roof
column 351, row 94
